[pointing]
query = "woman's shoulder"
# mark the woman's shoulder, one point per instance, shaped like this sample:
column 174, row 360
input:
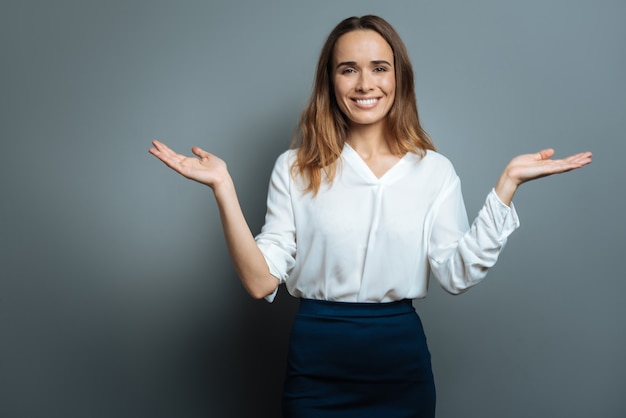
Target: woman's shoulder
column 434, row 160
column 285, row 159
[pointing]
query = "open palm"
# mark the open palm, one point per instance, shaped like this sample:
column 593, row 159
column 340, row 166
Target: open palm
column 528, row 167
column 204, row 168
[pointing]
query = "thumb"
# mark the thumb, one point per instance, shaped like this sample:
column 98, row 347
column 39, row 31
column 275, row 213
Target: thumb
column 200, row 152
column 546, row 153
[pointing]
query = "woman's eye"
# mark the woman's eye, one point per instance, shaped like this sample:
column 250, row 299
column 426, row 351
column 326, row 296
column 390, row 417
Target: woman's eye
column 380, row 69
column 348, row 70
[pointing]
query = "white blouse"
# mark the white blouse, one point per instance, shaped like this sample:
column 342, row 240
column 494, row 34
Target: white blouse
column 369, row 239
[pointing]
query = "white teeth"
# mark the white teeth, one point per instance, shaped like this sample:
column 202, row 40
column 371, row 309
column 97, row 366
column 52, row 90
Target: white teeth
column 366, row 101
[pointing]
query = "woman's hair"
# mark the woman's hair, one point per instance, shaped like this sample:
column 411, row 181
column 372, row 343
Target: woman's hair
column 323, row 128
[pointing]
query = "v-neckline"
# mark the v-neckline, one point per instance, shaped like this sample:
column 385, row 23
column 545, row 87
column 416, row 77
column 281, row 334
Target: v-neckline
column 365, row 170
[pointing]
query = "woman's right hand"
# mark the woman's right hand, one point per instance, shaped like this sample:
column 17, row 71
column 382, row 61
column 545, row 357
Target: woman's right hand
column 206, row 168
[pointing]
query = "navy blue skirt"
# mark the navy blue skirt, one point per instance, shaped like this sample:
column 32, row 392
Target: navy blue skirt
column 358, row 360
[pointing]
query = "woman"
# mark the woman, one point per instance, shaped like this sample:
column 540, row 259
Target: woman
column 358, row 215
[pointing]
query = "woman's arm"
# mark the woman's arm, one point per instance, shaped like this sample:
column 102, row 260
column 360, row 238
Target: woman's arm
column 460, row 257
column 209, row 170
column 528, row 167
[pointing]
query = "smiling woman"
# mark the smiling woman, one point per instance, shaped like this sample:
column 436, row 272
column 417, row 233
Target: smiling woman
column 358, row 215
column 325, row 128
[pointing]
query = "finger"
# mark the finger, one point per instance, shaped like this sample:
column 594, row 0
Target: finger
column 580, row 159
column 160, row 145
column 584, row 156
column 166, row 153
column 158, row 152
column 160, row 149
column 565, row 165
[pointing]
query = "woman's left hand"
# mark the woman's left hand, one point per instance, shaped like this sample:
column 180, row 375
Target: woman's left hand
column 528, row 167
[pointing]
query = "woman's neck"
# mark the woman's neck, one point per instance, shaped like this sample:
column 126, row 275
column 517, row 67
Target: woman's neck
column 368, row 141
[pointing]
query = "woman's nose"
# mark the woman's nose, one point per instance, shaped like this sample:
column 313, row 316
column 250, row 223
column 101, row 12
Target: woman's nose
column 364, row 83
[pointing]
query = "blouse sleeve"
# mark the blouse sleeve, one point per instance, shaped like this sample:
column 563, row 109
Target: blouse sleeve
column 460, row 255
column 277, row 240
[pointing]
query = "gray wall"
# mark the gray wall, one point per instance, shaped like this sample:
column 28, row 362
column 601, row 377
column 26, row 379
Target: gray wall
column 117, row 297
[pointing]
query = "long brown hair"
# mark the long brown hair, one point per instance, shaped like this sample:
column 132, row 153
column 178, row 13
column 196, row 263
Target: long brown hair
column 323, row 128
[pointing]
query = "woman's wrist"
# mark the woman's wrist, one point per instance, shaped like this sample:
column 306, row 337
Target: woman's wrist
column 505, row 188
column 223, row 186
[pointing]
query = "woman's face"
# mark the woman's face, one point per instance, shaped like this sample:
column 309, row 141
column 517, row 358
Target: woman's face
column 364, row 77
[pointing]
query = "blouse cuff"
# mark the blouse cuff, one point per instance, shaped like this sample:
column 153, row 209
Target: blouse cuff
column 502, row 218
column 273, row 272
column 271, row 296
column 277, row 264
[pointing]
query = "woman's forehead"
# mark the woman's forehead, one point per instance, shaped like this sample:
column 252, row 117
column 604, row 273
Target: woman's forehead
column 362, row 45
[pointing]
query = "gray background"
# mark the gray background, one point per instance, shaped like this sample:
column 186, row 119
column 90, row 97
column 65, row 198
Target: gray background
column 117, row 297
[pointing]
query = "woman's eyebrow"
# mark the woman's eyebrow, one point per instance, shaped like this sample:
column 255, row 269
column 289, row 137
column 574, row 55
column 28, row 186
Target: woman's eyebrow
column 353, row 63
column 346, row 63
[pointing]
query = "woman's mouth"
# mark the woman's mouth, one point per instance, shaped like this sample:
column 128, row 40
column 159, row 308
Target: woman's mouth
column 366, row 102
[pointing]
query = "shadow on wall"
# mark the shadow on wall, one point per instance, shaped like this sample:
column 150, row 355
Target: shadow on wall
column 229, row 361
column 245, row 375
